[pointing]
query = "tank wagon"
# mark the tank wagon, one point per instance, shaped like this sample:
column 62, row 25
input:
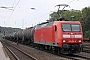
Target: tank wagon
column 59, row 36
column 27, row 35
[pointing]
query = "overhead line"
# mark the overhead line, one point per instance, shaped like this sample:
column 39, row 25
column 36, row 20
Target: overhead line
column 48, row 13
column 70, row 1
column 14, row 9
column 43, row 4
column 13, row 3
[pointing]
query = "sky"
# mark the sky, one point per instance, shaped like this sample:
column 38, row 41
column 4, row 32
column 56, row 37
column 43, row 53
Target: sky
column 20, row 14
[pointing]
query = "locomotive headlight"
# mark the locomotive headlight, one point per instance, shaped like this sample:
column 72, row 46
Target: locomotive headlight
column 79, row 41
column 66, row 36
column 64, row 41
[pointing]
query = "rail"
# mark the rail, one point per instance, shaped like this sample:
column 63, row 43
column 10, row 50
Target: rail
column 17, row 53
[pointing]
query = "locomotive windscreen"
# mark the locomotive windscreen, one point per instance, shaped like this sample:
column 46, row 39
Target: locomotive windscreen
column 71, row 27
column 66, row 27
column 75, row 27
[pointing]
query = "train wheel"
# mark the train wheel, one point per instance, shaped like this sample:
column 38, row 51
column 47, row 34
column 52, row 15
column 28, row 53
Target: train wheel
column 29, row 42
column 57, row 50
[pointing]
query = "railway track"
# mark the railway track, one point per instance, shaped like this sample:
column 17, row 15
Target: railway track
column 40, row 55
column 84, row 55
column 86, row 47
column 79, row 56
column 74, row 57
column 17, row 53
column 46, row 56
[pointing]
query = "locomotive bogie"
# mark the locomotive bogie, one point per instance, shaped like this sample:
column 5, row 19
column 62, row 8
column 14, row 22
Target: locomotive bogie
column 72, row 48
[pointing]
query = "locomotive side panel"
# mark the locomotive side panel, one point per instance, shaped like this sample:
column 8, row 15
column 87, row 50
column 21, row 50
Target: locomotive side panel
column 38, row 35
column 45, row 36
column 48, row 34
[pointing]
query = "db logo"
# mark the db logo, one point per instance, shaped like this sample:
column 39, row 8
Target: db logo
column 72, row 36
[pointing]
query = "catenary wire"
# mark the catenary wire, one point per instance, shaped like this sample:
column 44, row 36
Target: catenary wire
column 14, row 9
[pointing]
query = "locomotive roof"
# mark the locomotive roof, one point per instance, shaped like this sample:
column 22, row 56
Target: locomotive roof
column 42, row 23
column 68, row 21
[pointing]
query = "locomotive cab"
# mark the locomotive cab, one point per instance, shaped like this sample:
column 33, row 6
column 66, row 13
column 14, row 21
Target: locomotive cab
column 70, row 36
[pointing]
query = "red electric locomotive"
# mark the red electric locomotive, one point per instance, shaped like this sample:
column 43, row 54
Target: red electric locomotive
column 62, row 36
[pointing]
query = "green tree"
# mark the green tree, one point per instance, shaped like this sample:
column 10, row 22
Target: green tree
column 7, row 30
column 53, row 17
column 72, row 15
column 87, row 34
column 86, row 18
